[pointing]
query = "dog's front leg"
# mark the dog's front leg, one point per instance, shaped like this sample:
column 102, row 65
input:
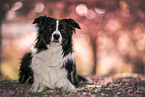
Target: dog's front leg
column 36, row 83
column 66, row 85
column 35, row 86
column 41, row 88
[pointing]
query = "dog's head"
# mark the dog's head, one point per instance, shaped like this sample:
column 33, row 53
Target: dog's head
column 54, row 31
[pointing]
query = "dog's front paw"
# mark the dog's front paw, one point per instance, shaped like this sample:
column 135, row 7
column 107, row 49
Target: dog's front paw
column 66, row 85
column 37, row 88
column 72, row 90
column 34, row 87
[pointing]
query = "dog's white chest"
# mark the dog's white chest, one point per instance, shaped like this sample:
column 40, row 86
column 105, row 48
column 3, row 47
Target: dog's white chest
column 47, row 66
column 50, row 57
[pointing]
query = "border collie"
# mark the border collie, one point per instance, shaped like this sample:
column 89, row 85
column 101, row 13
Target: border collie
column 50, row 63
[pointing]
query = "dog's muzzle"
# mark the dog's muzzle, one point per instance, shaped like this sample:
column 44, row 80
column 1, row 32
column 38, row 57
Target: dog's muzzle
column 56, row 38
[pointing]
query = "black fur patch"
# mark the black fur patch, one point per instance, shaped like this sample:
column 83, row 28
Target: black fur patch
column 26, row 72
column 72, row 73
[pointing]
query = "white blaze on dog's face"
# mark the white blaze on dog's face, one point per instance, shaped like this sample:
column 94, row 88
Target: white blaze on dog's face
column 56, row 35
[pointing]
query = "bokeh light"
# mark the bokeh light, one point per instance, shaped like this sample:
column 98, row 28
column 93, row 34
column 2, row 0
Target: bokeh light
column 113, row 25
column 81, row 9
column 17, row 5
column 140, row 44
column 100, row 11
column 90, row 14
column 11, row 15
column 123, row 44
column 123, row 5
column 39, row 7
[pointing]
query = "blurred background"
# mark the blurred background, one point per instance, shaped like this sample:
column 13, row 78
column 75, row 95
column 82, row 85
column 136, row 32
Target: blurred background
column 111, row 39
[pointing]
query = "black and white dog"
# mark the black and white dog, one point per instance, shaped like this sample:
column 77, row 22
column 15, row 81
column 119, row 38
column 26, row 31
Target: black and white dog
column 50, row 63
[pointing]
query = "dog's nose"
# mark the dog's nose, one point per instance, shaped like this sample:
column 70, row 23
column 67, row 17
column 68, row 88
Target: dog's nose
column 56, row 36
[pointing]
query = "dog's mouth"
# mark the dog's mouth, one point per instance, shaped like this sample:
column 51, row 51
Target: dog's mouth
column 55, row 41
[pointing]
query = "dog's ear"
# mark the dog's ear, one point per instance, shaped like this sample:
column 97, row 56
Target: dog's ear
column 73, row 24
column 41, row 20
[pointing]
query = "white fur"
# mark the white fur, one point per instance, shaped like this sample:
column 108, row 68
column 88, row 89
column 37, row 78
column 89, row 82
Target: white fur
column 57, row 32
column 48, row 71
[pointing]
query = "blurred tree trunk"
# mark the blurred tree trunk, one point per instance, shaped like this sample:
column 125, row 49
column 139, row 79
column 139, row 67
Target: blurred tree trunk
column 5, row 5
column 1, row 76
column 0, row 47
column 1, row 17
column 94, row 55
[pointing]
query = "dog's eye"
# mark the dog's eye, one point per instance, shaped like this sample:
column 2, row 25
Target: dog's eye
column 50, row 28
column 62, row 30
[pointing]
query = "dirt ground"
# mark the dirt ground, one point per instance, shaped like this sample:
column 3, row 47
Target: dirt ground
column 118, row 85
